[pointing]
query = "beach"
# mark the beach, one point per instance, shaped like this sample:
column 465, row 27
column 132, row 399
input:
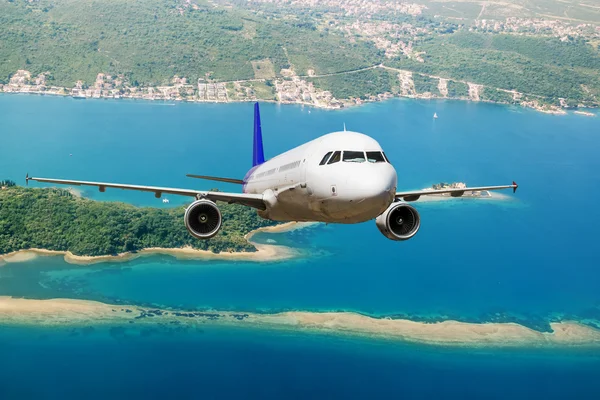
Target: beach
column 67, row 312
column 486, row 301
column 264, row 252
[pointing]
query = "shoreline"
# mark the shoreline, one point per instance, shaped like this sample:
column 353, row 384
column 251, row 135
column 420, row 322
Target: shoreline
column 264, row 252
column 70, row 312
column 550, row 111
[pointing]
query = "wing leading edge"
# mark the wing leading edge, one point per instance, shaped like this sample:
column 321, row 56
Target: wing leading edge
column 250, row 200
column 458, row 192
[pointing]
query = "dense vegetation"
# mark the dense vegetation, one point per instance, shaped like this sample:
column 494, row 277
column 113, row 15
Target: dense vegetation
column 542, row 66
column 150, row 41
column 497, row 96
column 359, row 84
column 457, row 89
column 53, row 219
column 425, row 84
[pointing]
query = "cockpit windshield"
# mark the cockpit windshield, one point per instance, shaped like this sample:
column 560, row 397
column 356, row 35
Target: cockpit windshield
column 325, row 158
column 335, row 157
column 353, row 156
column 375, row 156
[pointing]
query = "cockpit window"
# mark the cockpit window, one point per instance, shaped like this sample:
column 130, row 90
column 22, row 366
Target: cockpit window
column 337, row 156
column 324, row 160
column 386, row 159
column 375, row 156
column 354, row 156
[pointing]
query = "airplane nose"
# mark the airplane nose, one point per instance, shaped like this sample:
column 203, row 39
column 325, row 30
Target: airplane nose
column 380, row 183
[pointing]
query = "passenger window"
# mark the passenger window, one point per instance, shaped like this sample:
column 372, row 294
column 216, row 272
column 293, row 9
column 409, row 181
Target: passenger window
column 324, row 160
column 337, row 156
column 354, row 156
column 375, row 156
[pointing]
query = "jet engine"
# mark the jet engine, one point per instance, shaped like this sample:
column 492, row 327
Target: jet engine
column 203, row 219
column 399, row 222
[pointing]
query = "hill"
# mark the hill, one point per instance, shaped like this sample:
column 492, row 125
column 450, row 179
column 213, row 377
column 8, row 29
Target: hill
column 54, row 219
column 329, row 53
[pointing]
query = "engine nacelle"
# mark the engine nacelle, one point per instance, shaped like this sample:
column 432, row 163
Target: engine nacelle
column 399, row 222
column 203, row 219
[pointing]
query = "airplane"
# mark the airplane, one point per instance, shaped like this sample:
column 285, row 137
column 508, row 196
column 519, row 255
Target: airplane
column 341, row 177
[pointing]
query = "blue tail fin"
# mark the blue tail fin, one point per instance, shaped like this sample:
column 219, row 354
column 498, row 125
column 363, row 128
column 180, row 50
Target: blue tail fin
column 258, row 154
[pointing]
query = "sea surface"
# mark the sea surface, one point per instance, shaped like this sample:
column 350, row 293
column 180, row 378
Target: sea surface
column 530, row 257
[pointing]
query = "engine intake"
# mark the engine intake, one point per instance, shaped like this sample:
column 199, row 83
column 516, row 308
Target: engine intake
column 399, row 222
column 203, row 219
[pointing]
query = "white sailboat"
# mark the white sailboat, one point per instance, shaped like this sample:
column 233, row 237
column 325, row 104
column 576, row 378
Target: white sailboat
column 435, row 116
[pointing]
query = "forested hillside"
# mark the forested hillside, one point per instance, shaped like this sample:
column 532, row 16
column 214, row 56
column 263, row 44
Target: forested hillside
column 54, row 219
column 150, row 41
column 291, row 51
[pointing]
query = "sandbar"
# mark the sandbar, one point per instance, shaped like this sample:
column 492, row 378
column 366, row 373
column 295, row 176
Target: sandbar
column 68, row 312
column 264, row 252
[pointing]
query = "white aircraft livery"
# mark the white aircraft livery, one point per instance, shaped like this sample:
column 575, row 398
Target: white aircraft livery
column 342, row 177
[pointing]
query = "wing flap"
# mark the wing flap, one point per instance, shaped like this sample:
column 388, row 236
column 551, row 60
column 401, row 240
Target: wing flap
column 216, row 178
column 455, row 192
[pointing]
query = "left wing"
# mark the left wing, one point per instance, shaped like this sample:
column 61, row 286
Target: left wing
column 412, row 196
column 250, row 200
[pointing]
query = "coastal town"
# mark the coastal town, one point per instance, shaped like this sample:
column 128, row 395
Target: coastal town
column 396, row 29
column 290, row 89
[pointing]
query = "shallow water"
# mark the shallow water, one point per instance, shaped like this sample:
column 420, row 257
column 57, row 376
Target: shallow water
column 529, row 258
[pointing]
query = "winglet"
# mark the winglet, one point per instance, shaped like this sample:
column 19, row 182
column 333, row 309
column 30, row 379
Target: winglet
column 515, row 186
column 258, row 153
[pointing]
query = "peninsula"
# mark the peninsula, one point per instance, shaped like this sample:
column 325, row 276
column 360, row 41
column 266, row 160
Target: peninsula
column 118, row 231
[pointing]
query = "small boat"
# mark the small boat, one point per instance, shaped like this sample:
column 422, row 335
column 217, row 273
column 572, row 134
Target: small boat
column 435, row 116
column 70, row 155
column 165, row 201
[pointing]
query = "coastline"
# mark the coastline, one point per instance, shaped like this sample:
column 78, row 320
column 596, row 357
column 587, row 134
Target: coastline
column 264, row 252
column 555, row 110
column 68, row 312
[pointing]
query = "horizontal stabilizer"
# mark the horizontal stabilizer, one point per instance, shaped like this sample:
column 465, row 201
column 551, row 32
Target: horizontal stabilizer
column 216, row 178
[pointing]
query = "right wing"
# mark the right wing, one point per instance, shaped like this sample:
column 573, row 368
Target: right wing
column 454, row 192
column 246, row 199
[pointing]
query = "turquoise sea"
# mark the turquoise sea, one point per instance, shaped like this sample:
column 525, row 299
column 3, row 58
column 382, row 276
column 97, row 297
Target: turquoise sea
column 530, row 258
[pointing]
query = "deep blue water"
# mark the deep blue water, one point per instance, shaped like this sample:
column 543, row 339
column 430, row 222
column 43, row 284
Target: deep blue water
column 529, row 257
column 234, row 363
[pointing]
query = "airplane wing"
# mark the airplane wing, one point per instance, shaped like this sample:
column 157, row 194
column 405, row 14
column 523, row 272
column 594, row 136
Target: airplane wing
column 216, row 178
column 250, row 200
column 457, row 192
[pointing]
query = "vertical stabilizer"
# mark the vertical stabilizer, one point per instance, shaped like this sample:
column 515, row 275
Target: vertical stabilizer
column 258, row 154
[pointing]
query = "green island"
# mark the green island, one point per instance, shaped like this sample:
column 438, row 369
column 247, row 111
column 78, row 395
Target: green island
column 55, row 219
column 541, row 54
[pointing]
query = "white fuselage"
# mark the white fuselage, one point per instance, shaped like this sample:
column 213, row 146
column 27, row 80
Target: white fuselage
column 296, row 187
